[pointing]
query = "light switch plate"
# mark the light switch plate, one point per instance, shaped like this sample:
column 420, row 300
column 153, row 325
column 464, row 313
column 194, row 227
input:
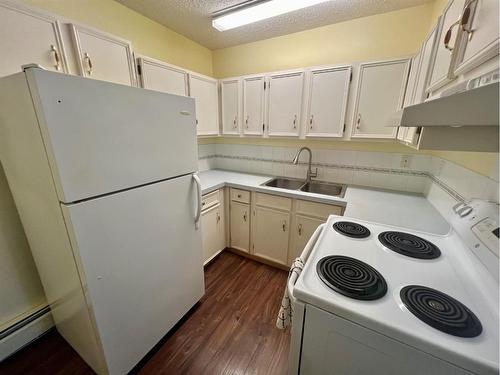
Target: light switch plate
column 405, row 161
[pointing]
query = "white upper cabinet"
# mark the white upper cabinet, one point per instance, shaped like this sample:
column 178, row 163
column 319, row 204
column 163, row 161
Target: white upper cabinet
column 204, row 91
column 379, row 96
column 479, row 23
column 29, row 37
column 285, row 104
column 410, row 93
column 156, row 75
column 253, row 105
column 103, row 56
column 327, row 102
column 448, row 39
column 428, row 55
column 230, row 99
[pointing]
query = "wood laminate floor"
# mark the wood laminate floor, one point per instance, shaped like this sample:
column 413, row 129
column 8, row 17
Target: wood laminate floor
column 231, row 331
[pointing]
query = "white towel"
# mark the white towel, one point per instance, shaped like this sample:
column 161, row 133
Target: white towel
column 286, row 312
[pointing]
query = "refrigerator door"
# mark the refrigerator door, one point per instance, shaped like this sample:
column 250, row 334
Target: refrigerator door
column 102, row 137
column 140, row 261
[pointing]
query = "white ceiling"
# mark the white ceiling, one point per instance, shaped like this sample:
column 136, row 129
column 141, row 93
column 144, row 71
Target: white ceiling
column 192, row 18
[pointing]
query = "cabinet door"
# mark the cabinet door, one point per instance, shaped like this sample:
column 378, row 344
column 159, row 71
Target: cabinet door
column 104, row 56
column 428, row 55
column 210, row 232
column 230, row 106
column 240, row 226
column 270, row 235
column 253, row 105
column 285, row 104
column 204, row 91
column 409, row 93
column 328, row 92
column 304, row 228
column 28, row 37
column 158, row 76
column 379, row 96
column 480, row 40
column 442, row 72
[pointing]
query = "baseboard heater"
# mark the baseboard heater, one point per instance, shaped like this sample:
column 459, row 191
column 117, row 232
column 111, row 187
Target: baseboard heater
column 23, row 332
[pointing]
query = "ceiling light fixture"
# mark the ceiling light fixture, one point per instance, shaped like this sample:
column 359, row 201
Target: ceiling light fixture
column 261, row 11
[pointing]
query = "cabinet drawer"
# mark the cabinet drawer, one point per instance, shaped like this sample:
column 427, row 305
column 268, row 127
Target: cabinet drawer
column 273, row 201
column 209, row 200
column 319, row 210
column 238, row 195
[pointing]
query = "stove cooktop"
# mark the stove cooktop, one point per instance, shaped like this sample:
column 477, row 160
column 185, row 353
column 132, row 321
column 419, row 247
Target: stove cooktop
column 442, row 264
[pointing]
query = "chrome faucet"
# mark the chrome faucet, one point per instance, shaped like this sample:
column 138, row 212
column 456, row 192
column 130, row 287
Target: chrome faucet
column 310, row 173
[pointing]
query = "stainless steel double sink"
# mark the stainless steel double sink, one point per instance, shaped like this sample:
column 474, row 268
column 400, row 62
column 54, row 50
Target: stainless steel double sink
column 316, row 187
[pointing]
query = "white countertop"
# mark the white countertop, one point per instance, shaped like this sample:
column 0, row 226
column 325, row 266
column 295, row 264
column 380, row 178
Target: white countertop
column 402, row 209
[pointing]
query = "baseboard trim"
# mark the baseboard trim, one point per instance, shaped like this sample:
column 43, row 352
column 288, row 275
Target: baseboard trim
column 24, row 332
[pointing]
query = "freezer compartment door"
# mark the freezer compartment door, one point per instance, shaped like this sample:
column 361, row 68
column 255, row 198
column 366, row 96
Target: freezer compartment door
column 140, row 260
column 102, row 137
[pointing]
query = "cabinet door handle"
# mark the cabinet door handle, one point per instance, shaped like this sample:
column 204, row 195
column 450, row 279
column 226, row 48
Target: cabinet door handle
column 447, row 37
column 245, row 216
column 57, row 59
column 284, row 226
column 88, row 61
column 464, row 20
column 295, row 122
column 246, row 121
column 234, row 122
column 311, row 121
column 299, row 229
column 358, row 121
column 218, row 217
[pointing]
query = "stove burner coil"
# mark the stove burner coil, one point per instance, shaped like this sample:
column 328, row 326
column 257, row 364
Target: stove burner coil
column 441, row 311
column 351, row 277
column 350, row 229
column 409, row 245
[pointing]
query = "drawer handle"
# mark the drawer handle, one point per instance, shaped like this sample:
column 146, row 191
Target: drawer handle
column 203, row 203
column 447, row 37
column 87, row 59
column 239, row 195
column 245, row 216
column 299, row 228
column 57, row 59
column 464, row 20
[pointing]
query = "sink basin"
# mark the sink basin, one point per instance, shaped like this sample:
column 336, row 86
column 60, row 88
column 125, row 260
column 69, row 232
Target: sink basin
column 325, row 188
column 285, row 183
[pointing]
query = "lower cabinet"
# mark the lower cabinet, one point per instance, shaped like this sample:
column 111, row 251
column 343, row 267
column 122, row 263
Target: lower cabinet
column 302, row 230
column 213, row 225
column 240, row 226
column 271, row 232
column 272, row 227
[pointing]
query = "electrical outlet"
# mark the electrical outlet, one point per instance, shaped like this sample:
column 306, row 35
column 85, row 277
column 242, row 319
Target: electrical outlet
column 405, row 161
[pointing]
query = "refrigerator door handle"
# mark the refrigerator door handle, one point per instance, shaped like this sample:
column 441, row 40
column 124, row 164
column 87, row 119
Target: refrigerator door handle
column 198, row 206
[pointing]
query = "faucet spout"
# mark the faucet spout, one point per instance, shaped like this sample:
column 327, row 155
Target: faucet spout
column 310, row 173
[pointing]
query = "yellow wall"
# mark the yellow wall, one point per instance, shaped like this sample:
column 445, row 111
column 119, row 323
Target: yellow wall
column 380, row 36
column 148, row 37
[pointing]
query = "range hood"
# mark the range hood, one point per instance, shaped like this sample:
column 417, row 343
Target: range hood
column 470, row 103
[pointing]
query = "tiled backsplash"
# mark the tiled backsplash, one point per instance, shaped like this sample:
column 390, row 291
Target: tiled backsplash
column 440, row 180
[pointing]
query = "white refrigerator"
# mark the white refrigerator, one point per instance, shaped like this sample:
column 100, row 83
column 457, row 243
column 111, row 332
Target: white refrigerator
column 103, row 179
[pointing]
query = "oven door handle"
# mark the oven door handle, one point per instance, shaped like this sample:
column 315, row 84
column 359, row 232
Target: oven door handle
column 305, row 254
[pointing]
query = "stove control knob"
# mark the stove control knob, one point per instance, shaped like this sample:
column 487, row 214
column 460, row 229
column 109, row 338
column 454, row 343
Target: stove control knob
column 464, row 211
